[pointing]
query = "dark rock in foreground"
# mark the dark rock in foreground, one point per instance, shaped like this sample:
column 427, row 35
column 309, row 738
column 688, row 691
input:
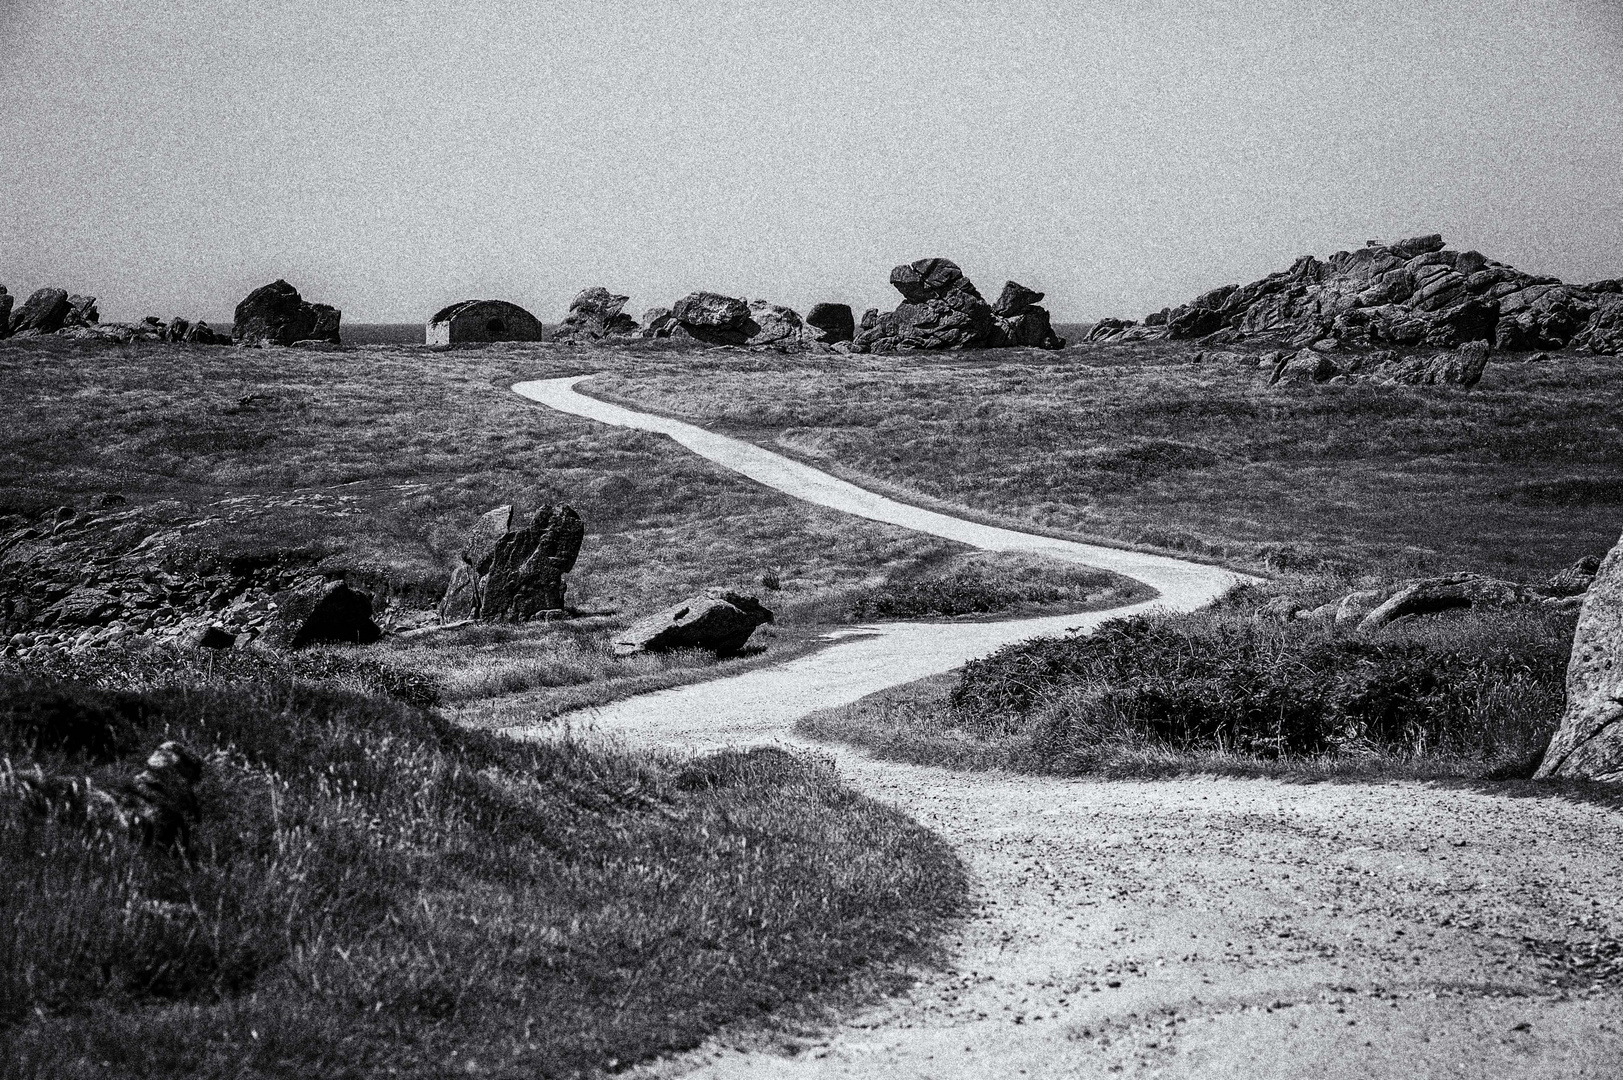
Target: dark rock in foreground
column 321, row 611
column 508, row 575
column 276, row 314
column 1589, row 743
column 717, row 620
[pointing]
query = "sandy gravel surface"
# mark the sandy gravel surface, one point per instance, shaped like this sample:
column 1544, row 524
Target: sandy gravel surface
column 1202, row 927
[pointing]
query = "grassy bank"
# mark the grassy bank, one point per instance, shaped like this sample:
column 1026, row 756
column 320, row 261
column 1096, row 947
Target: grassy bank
column 1189, row 451
column 1226, row 692
column 371, row 891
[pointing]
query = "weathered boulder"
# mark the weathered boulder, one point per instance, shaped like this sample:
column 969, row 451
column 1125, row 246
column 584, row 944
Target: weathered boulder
column 276, row 314
column 42, row 313
column 657, row 322
column 320, row 611
column 1014, row 299
column 512, row 575
column 834, row 321
column 714, row 318
column 595, row 314
column 1433, row 595
column 716, row 619
column 1589, row 742
column 773, row 324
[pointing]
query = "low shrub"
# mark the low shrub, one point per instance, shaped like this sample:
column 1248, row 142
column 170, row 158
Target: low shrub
column 982, row 584
column 1485, row 685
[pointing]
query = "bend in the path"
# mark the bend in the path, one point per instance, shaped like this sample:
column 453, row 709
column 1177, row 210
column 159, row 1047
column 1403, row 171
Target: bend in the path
column 1198, row 928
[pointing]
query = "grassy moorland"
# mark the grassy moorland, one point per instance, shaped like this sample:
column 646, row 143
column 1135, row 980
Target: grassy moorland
column 377, row 460
column 1165, row 447
column 1326, row 488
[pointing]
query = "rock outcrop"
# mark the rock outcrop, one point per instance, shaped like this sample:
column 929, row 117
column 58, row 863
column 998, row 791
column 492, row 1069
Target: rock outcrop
column 1412, row 293
column 596, row 314
column 833, row 321
column 513, row 575
column 481, row 321
column 728, row 320
column 942, row 309
column 716, row 619
column 157, row 807
column 44, row 312
column 276, row 314
column 78, row 580
column 1589, row 743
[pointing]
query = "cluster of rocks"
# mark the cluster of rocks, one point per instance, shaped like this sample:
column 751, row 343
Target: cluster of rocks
column 55, row 311
column 78, row 580
column 1371, row 610
column 942, row 309
column 1415, row 292
column 1589, row 742
column 514, row 575
column 717, row 619
column 276, row 314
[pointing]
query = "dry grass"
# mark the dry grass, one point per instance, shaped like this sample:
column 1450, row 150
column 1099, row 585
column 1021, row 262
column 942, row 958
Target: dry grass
column 375, row 892
column 1223, row 692
column 1144, row 445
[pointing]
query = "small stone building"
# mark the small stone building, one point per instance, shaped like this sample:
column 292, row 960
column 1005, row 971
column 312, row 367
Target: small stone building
column 482, row 320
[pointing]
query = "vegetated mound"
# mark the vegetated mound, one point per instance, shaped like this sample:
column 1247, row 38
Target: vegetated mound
column 365, row 888
column 1414, row 292
column 1223, row 691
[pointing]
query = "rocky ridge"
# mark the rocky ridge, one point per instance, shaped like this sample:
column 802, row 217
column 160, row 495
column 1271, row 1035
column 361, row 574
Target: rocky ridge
column 52, row 311
column 75, row 580
column 1416, row 292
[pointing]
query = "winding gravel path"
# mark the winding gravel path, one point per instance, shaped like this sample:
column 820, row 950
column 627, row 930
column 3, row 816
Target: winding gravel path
column 1199, row 927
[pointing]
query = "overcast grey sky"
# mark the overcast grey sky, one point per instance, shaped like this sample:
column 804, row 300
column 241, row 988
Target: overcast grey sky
column 390, row 157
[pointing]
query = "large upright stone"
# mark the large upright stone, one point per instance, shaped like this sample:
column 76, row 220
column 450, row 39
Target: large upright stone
column 6, row 300
column 1589, row 743
column 508, row 575
column 42, row 313
column 527, row 566
column 275, row 314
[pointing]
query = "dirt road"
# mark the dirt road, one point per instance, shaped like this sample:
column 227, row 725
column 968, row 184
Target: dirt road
column 1200, row 928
